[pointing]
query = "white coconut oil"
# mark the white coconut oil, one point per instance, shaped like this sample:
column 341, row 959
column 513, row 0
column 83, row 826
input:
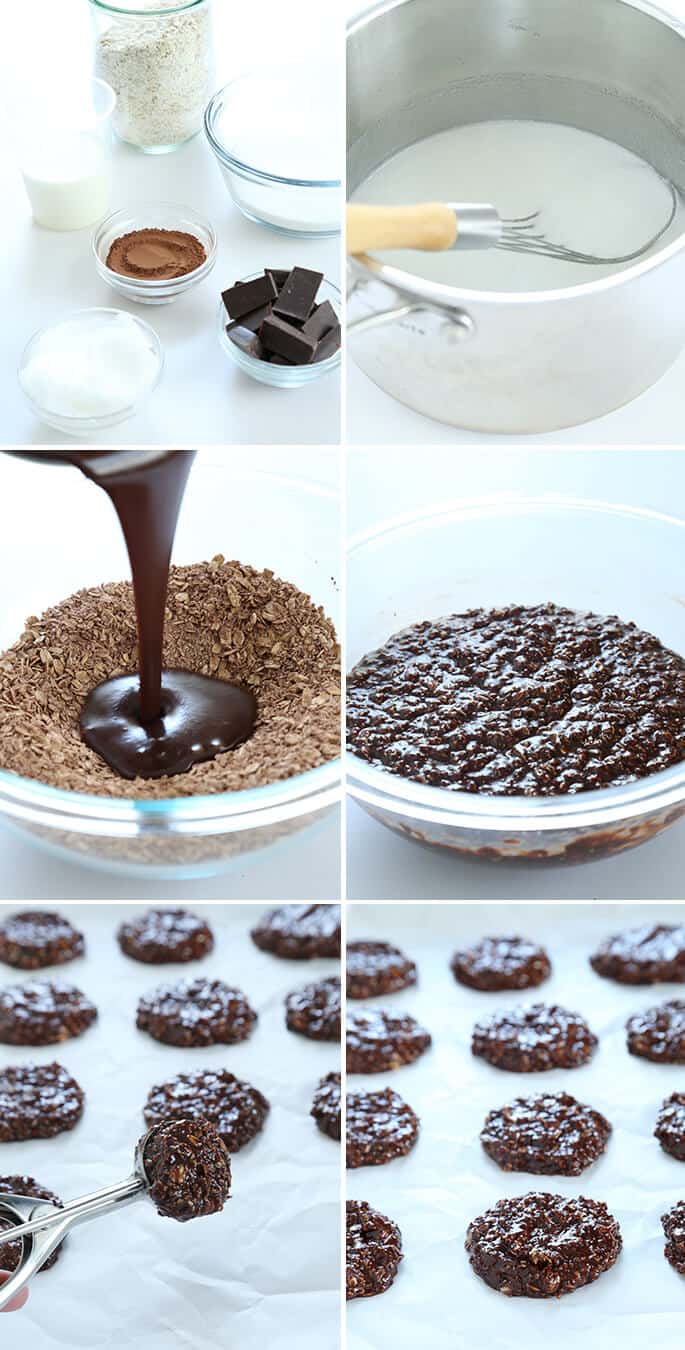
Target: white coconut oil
column 593, row 195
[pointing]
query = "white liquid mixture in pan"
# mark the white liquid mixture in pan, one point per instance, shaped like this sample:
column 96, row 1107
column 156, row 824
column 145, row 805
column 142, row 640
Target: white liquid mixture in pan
column 593, row 195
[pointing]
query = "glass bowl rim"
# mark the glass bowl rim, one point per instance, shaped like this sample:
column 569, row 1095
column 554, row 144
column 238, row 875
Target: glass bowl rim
column 111, row 7
column 598, row 808
column 146, row 284
column 240, row 166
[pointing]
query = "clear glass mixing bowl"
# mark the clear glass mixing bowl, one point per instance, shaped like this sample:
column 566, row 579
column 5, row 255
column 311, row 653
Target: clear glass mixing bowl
column 286, row 523
column 502, row 550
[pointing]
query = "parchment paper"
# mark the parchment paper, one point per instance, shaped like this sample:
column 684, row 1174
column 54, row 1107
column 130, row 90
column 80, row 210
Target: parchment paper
column 447, row 1180
column 263, row 1274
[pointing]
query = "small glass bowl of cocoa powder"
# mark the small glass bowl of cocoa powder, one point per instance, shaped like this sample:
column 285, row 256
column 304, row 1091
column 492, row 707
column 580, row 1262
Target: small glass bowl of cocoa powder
column 161, row 236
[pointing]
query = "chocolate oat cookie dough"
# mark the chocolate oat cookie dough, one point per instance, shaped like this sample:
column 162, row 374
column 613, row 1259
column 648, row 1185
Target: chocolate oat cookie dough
column 670, row 1126
column 543, row 1246
column 550, row 1134
column 195, row 1013
column 314, row 1011
column 299, row 932
column 32, row 939
column 673, row 1225
column 658, row 1033
column 161, row 936
column 236, row 1109
column 525, row 701
column 501, row 963
column 188, row 1168
column 43, row 1012
column 374, row 1250
column 652, row 954
column 326, row 1106
column 378, row 1040
column 375, row 968
column 380, row 1127
column 38, row 1101
column 11, row 1251
column 534, row 1039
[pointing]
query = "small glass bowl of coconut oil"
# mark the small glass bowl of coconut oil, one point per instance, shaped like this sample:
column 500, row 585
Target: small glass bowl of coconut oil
column 64, row 142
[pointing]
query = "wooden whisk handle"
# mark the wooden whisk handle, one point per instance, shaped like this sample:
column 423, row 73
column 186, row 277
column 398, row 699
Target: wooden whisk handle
column 430, row 226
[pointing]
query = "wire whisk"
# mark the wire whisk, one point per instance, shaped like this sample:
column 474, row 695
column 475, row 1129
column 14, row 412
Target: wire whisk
column 519, row 236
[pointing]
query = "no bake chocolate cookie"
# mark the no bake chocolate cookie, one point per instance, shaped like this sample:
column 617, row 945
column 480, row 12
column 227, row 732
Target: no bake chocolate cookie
column 670, row 1125
column 673, row 1225
column 43, row 1012
column 299, row 932
column 658, row 1033
column 380, row 1127
column 188, row 1169
column 652, row 954
column 160, row 936
column 550, row 1134
column 196, row 1012
column 11, row 1251
column 314, row 1011
column 35, row 938
column 534, row 1039
column 378, row 1040
column 501, row 963
column 38, row 1101
column 543, row 1246
column 236, row 1109
column 377, row 968
column 326, row 1106
column 374, row 1250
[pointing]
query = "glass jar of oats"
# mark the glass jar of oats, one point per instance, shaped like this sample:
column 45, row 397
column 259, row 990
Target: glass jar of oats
column 158, row 57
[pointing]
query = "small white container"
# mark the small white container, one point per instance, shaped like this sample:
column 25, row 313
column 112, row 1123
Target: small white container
column 64, row 143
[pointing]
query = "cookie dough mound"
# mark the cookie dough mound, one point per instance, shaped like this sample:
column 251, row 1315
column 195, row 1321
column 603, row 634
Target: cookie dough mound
column 38, row 1101
column 534, row 1039
column 380, row 1127
column 374, row 1250
column 673, row 1225
column 43, row 1012
column 188, row 1169
column 543, row 1246
column 161, row 936
column 653, row 954
column 658, row 1033
column 11, row 1251
column 236, row 1109
column 377, row 968
column 670, row 1126
column 35, row 938
column 501, row 963
column 550, row 1134
column 195, row 1013
column 378, row 1040
column 314, row 1011
column 326, row 1106
column 299, row 932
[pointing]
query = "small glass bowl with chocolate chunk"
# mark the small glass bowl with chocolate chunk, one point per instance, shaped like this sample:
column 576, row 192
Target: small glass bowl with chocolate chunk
column 154, row 252
column 502, row 745
column 291, row 333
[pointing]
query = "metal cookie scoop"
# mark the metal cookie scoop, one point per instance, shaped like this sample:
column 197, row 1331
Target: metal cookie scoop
column 43, row 1226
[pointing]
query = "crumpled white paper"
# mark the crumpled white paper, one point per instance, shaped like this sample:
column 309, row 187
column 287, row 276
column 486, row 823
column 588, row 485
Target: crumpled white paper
column 263, row 1274
column 447, row 1180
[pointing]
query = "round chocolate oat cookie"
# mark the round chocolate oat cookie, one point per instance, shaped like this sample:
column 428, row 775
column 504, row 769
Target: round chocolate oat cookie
column 11, row 1251
column 658, row 1033
column 670, row 1126
column 374, row 1250
column 299, row 932
column 314, row 1011
column 326, row 1106
column 236, row 1109
column 653, row 954
column 533, row 1039
column 188, row 1169
column 673, row 1225
column 37, row 1101
column 550, row 1134
column 380, row 1127
column 35, row 938
column 43, row 1012
column 161, row 936
column 542, row 1246
column 501, row 963
column 196, row 1012
column 377, row 968
column 378, row 1040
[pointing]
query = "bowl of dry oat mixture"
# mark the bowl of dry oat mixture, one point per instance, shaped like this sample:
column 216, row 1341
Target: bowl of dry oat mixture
column 253, row 597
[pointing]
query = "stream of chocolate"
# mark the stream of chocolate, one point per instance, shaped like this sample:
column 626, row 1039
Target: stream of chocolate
column 157, row 722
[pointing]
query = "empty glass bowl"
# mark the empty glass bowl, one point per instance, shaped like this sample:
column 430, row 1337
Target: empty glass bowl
column 151, row 215
column 282, row 377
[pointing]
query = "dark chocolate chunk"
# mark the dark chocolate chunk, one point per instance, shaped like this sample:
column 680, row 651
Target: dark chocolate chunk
column 543, row 1246
column 285, row 340
column 322, row 318
column 252, row 321
column 249, row 295
column 279, row 276
column 328, row 345
column 296, row 299
column 245, row 339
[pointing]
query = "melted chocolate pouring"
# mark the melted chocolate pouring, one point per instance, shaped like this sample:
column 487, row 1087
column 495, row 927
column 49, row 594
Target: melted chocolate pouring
column 158, row 722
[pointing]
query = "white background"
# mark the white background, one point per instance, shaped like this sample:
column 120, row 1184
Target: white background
column 202, row 397
column 306, row 867
column 385, row 483
column 264, row 1272
column 447, row 1179
column 374, row 418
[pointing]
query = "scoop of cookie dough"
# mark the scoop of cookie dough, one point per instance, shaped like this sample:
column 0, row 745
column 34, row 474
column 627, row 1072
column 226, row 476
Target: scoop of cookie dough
column 161, row 936
column 315, row 1010
column 236, row 1109
column 542, row 1246
column 652, row 954
column 501, row 963
column 35, row 938
column 38, row 1101
column 299, row 932
column 378, row 1040
column 380, row 1127
column 188, row 1169
column 673, row 1225
column 374, row 1250
column 377, row 968
column 43, row 1012
column 658, row 1033
column 196, row 1012
column 11, row 1251
column 326, row 1106
column 533, row 1039
column 670, row 1126
column 550, row 1134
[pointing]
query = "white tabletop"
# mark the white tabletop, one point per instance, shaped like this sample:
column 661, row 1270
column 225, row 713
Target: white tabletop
column 202, row 398
column 383, row 484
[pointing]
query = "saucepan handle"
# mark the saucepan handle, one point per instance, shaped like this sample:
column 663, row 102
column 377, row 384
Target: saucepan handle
column 461, row 322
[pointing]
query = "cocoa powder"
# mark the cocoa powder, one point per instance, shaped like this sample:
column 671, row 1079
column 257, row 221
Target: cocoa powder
column 223, row 619
column 156, row 255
